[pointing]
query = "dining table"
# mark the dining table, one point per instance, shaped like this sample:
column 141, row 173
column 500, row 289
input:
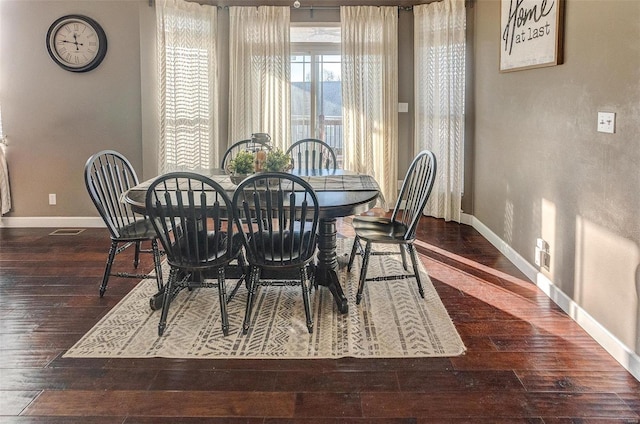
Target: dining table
column 340, row 193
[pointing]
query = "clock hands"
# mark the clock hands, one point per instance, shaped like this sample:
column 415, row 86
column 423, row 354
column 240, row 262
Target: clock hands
column 75, row 41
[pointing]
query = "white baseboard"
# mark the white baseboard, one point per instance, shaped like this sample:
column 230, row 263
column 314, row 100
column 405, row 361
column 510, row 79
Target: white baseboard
column 620, row 352
column 52, row 222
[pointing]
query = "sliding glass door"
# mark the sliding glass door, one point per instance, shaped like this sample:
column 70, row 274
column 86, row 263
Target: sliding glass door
column 316, row 87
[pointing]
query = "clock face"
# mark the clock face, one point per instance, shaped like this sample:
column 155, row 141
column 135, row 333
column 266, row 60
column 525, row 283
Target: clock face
column 76, row 43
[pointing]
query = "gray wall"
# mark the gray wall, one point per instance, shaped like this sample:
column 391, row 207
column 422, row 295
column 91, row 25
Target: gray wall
column 542, row 170
column 56, row 119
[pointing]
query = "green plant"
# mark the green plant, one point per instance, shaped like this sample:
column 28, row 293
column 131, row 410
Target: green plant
column 277, row 161
column 243, row 163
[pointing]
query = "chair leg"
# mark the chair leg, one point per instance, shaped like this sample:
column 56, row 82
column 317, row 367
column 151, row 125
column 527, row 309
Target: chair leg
column 107, row 270
column 311, row 272
column 304, row 277
column 416, row 270
column 157, row 262
column 136, row 258
column 354, row 249
column 222, row 296
column 244, row 278
column 254, row 277
column 404, row 256
column 363, row 271
column 242, row 262
column 166, row 301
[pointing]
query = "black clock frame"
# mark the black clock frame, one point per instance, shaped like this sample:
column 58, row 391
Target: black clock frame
column 102, row 43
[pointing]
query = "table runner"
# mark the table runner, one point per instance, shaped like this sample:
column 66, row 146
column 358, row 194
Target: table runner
column 346, row 182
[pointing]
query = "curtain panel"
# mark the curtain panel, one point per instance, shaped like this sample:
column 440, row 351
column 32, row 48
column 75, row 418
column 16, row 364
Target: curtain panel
column 5, row 189
column 370, row 93
column 188, row 86
column 259, row 74
column 439, row 57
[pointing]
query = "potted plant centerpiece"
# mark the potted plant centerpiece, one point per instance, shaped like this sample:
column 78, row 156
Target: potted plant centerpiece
column 277, row 161
column 241, row 166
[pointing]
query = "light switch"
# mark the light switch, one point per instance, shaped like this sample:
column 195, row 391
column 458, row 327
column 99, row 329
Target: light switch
column 606, row 122
column 403, row 107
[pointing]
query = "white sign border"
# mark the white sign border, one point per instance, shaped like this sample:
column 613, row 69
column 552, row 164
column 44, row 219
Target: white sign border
column 538, row 55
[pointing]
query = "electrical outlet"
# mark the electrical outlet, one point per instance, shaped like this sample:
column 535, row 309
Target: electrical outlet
column 546, row 260
column 52, row 199
column 606, row 122
column 541, row 256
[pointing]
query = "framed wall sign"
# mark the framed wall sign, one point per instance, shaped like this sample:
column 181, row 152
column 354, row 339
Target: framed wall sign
column 531, row 34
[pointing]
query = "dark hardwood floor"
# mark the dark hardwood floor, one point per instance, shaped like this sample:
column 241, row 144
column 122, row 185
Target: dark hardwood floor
column 526, row 361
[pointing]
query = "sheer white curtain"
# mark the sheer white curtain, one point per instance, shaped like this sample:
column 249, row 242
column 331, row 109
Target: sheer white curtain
column 259, row 74
column 439, row 55
column 5, row 189
column 188, row 91
column 370, row 93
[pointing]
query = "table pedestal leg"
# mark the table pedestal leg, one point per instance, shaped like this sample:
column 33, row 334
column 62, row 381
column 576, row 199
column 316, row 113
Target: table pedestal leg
column 327, row 266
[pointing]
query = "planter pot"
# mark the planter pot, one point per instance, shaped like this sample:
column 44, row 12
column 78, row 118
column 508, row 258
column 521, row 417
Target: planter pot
column 237, row 178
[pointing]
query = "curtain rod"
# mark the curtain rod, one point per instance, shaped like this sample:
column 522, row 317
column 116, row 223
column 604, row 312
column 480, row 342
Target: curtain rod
column 152, row 2
column 338, row 7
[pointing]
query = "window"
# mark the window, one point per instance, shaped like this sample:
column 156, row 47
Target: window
column 316, row 87
column 188, row 114
column 188, row 86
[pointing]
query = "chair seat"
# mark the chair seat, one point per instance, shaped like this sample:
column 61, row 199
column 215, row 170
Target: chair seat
column 211, row 253
column 291, row 255
column 140, row 229
column 380, row 229
column 364, row 221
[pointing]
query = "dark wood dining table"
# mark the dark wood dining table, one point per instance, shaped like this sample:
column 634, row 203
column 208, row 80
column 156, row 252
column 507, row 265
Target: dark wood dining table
column 340, row 193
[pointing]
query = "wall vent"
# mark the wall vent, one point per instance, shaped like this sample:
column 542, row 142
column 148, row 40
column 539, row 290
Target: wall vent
column 67, row 232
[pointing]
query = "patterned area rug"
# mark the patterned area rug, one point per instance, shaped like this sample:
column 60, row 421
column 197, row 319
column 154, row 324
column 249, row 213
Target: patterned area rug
column 392, row 321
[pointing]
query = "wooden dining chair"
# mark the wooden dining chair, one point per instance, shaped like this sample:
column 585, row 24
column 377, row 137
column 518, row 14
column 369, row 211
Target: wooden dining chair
column 310, row 155
column 107, row 175
column 189, row 213
column 400, row 228
column 281, row 241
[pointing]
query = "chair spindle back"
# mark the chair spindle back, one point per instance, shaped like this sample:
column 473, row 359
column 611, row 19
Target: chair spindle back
column 310, row 155
column 108, row 174
column 415, row 191
column 284, row 214
column 189, row 212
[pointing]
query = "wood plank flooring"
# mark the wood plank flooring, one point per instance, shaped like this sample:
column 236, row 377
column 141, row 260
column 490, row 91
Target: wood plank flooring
column 526, row 361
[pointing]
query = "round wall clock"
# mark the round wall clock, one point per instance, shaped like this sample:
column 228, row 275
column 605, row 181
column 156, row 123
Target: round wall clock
column 77, row 43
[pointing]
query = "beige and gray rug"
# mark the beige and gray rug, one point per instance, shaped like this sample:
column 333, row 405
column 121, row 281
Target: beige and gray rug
column 392, row 321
